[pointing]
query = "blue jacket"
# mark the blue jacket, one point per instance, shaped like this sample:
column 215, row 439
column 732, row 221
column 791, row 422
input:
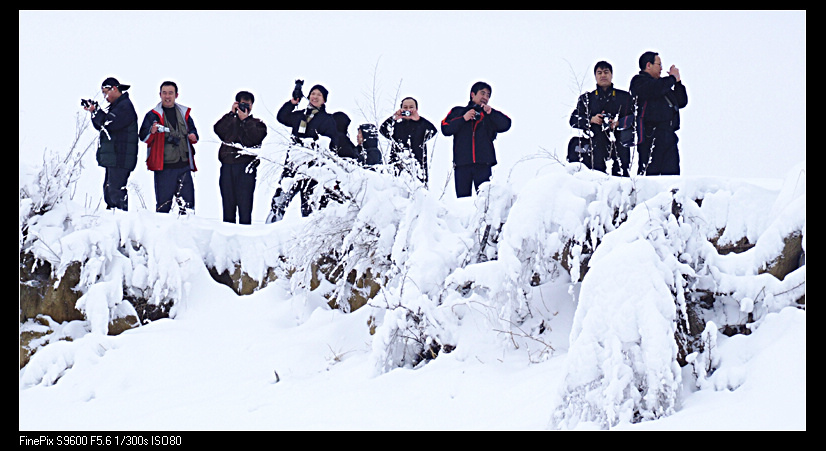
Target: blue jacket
column 473, row 139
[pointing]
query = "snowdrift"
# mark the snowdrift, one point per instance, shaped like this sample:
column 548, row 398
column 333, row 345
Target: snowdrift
column 642, row 262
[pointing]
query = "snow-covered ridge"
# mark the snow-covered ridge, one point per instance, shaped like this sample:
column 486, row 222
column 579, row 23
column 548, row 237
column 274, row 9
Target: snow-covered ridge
column 645, row 243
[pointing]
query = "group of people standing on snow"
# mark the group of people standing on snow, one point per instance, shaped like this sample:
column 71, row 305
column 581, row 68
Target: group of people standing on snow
column 609, row 118
column 612, row 121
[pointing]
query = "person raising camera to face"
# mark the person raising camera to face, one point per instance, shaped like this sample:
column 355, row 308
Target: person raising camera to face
column 408, row 132
column 239, row 132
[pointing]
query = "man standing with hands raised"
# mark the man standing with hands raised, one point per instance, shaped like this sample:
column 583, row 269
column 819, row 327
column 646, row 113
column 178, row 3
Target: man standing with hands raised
column 474, row 128
column 659, row 100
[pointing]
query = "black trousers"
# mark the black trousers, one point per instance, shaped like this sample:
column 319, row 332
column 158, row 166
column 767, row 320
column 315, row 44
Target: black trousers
column 237, row 185
column 174, row 184
column 658, row 152
column 114, row 188
column 470, row 175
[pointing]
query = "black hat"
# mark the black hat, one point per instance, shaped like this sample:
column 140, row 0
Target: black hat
column 322, row 89
column 113, row 82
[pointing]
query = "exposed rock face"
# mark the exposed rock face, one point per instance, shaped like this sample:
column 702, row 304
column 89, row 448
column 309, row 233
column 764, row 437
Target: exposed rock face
column 41, row 293
column 241, row 282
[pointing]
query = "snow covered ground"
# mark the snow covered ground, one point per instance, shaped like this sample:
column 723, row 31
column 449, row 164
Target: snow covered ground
column 282, row 359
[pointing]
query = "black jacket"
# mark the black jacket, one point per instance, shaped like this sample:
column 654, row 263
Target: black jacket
column 473, row 139
column 118, row 134
column 345, row 147
column 321, row 124
column 408, row 135
column 248, row 133
column 615, row 102
column 658, row 100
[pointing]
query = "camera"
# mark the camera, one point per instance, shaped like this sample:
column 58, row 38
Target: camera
column 406, row 113
column 87, row 103
column 244, row 106
column 297, row 94
column 172, row 139
column 478, row 109
column 162, row 129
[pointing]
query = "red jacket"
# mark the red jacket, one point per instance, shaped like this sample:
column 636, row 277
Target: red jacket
column 155, row 141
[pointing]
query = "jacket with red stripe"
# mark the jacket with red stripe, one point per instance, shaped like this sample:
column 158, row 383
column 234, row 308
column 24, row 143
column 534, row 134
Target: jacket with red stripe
column 473, row 139
column 155, row 141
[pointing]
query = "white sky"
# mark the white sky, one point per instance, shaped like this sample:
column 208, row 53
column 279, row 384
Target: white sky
column 745, row 73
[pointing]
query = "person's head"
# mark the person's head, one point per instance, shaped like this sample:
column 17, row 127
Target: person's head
column 410, row 104
column 245, row 97
column 650, row 62
column 318, row 96
column 480, row 93
column 169, row 92
column 604, row 74
column 368, row 132
column 112, row 89
column 342, row 121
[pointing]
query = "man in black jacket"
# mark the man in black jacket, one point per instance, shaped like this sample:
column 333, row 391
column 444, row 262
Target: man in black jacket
column 239, row 131
column 597, row 113
column 312, row 122
column 118, row 147
column 659, row 100
column 474, row 128
column 408, row 132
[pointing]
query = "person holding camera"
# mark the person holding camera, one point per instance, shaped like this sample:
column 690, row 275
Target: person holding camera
column 408, row 133
column 117, row 149
column 474, row 128
column 170, row 134
column 311, row 122
column 659, row 100
column 239, row 131
column 598, row 113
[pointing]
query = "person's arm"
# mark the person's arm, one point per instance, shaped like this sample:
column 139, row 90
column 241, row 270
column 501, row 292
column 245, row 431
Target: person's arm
column 253, row 132
column 454, row 121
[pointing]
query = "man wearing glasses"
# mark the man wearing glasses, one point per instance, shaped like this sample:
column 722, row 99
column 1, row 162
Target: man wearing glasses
column 118, row 147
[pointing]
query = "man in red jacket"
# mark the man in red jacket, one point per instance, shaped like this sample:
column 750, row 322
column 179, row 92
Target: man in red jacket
column 169, row 132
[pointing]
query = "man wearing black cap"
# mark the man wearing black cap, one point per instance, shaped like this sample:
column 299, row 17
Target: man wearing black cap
column 308, row 123
column 118, row 147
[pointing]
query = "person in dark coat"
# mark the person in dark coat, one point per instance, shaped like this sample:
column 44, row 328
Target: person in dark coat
column 368, row 150
column 345, row 148
column 311, row 122
column 408, row 133
column 597, row 113
column 170, row 135
column 118, row 147
column 659, row 100
column 474, row 128
column 239, row 131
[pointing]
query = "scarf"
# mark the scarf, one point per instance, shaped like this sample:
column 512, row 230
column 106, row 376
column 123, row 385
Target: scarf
column 309, row 114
